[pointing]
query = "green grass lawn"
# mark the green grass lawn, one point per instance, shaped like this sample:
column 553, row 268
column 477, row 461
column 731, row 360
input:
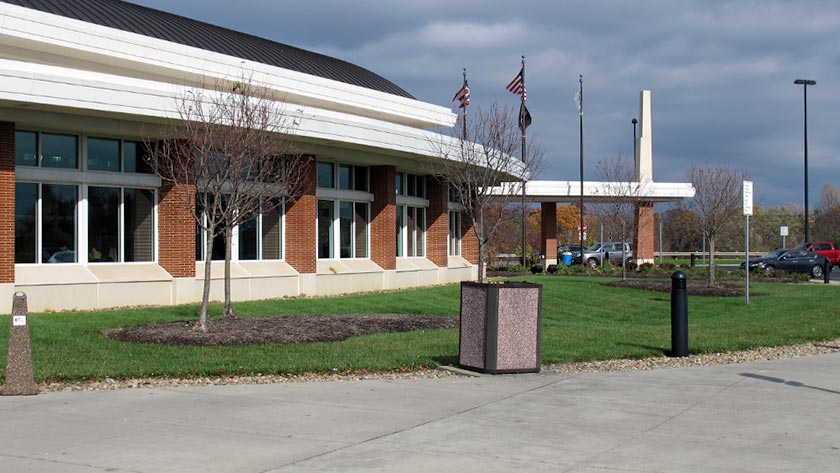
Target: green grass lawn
column 582, row 320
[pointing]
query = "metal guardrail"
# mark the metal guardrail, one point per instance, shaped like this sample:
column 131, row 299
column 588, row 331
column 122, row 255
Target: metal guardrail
column 701, row 254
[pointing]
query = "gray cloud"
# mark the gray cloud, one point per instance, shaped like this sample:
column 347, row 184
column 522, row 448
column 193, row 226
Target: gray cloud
column 721, row 72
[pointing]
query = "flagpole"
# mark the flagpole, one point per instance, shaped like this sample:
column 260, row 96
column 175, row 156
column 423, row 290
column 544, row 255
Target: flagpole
column 522, row 97
column 465, row 107
column 580, row 113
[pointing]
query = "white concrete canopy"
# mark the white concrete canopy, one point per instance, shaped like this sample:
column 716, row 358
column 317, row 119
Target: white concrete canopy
column 599, row 192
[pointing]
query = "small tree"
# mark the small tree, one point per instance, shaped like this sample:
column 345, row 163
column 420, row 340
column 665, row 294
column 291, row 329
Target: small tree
column 621, row 195
column 475, row 165
column 827, row 215
column 716, row 201
column 233, row 142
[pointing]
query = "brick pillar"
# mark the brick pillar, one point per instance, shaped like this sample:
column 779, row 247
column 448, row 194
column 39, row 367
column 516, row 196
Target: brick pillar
column 469, row 241
column 301, row 222
column 177, row 230
column 7, row 202
column 645, row 227
column 548, row 227
column 437, row 221
column 383, row 216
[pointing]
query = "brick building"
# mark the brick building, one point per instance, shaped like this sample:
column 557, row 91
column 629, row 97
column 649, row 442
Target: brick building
column 84, row 223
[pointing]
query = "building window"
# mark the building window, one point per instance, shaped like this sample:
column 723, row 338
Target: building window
column 325, row 229
column 326, row 177
column 411, row 231
column 75, row 222
column 26, row 222
column 349, row 177
column 454, row 233
column 103, row 154
column 138, row 225
column 343, row 229
column 26, row 148
column 136, row 158
column 454, row 196
column 49, row 150
column 59, row 151
column 59, row 225
column 261, row 238
column 411, row 185
column 46, row 226
column 112, row 155
column 120, row 224
column 103, row 224
column 55, row 150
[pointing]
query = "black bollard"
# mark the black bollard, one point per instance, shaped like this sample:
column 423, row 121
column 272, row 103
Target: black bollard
column 693, row 259
column 679, row 314
column 827, row 271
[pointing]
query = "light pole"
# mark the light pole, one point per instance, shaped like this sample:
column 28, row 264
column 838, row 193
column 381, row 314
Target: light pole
column 805, row 83
column 634, row 121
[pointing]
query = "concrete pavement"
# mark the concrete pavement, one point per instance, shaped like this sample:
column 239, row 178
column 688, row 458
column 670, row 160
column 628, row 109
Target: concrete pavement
column 777, row 416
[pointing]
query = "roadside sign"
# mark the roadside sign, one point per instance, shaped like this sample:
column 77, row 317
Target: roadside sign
column 783, row 231
column 748, row 197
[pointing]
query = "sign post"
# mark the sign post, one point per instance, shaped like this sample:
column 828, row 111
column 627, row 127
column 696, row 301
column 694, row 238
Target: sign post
column 783, row 231
column 748, row 210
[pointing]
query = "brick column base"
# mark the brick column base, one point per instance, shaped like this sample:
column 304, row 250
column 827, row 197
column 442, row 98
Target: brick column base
column 7, row 202
column 177, row 230
column 548, row 227
column 301, row 221
column 643, row 246
column 383, row 216
column 437, row 218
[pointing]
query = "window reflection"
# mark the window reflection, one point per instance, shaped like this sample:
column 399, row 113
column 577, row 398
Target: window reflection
column 58, row 230
column 59, row 151
column 26, row 200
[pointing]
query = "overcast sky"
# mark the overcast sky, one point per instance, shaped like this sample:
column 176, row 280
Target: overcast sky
column 721, row 72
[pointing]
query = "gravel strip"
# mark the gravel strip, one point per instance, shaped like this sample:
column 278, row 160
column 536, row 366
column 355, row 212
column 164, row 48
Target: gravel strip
column 758, row 354
column 746, row 356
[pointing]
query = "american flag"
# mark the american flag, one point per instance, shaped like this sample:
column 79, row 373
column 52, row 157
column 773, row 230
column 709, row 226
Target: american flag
column 517, row 85
column 463, row 95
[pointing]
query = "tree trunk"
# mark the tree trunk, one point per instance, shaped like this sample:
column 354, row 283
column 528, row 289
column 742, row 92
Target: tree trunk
column 712, row 262
column 623, row 262
column 482, row 246
column 205, row 294
column 228, row 311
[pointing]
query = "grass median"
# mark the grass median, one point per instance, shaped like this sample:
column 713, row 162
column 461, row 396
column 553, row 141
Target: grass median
column 582, row 320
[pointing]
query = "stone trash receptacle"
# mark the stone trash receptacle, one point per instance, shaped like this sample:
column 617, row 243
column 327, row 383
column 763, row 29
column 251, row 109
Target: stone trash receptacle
column 500, row 327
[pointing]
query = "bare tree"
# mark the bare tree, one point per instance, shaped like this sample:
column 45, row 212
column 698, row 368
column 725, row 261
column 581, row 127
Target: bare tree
column 233, row 142
column 827, row 216
column 481, row 170
column 621, row 192
column 716, row 201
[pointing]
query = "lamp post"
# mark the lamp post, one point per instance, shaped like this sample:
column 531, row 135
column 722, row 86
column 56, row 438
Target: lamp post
column 805, row 83
column 634, row 121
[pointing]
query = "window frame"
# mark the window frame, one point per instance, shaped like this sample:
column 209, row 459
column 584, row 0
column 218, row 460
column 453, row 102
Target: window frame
column 82, row 179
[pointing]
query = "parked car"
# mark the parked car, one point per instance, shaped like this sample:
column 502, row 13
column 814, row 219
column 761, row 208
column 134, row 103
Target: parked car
column 594, row 255
column 759, row 261
column 794, row 261
column 822, row 248
column 573, row 249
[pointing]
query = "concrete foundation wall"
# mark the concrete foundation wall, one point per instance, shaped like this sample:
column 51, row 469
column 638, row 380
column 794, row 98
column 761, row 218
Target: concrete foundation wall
column 74, row 287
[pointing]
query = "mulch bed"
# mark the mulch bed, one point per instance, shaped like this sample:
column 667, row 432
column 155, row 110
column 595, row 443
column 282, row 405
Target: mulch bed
column 694, row 288
column 297, row 329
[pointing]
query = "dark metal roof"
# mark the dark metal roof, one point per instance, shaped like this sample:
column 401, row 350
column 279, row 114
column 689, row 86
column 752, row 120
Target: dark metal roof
column 178, row 29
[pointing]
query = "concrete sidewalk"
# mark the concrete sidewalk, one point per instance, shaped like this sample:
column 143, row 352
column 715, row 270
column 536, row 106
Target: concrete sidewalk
column 777, row 416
